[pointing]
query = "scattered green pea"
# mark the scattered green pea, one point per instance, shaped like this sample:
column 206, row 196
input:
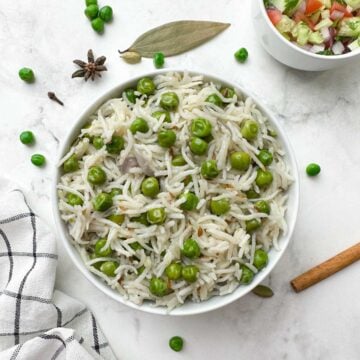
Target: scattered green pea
column 73, row 199
column 191, row 201
column 263, row 206
column 140, row 125
column 158, row 287
column 240, row 160
column 250, row 129
column 252, row 194
column 219, row 207
column 247, row 275
column 115, row 192
column 136, row 246
column 91, row 2
column 313, row 169
column 71, row 164
column 166, row 138
column 169, row 101
column 176, row 343
column 38, row 159
column 266, row 157
column 146, row 86
column 97, row 142
column 190, row 273
column 92, row 11
column 201, row 127
column 97, row 264
column 260, row 259
column 117, row 218
column 263, row 178
column 159, row 60
column 96, row 175
column 130, row 95
column 191, row 249
column 241, row 55
column 272, row 132
column 227, row 92
column 142, row 219
column 140, row 270
column 98, row 25
column 252, row 225
column 214, row 99
column 158, row 114
column 150, row 186
column 173, row 271
column 156, row 216
column 102, row 202
column 106, row 13
column 109, row 268
column 116, row 145
column 27, row 138
column 209, row 169
column 100, row 251
column 27, row 75
column 178, row 160
column 198, row 146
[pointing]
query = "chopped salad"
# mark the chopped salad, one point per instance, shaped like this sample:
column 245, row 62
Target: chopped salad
column 324, row 27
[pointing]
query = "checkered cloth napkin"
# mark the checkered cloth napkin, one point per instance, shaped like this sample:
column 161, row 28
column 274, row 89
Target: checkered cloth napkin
column 36, row 322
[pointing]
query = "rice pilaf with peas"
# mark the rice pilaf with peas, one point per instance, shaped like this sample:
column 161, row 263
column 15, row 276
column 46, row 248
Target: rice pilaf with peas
column 175, row 191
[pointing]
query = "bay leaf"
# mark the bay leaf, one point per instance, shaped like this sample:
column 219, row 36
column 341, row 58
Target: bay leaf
column 263, row 291
column 176, row 37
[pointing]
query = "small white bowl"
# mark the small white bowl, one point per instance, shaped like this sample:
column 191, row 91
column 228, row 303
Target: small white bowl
column 288, row 53
column 189, row 308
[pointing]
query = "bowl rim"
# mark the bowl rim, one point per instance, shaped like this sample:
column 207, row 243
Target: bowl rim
column 202, row 307
column 299, row 49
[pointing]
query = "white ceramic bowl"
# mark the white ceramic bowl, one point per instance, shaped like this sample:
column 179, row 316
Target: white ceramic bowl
column 188, row 308
column 289, row 54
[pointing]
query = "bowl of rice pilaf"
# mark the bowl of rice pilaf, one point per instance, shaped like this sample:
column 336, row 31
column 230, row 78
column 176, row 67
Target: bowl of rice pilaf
column 176, row 193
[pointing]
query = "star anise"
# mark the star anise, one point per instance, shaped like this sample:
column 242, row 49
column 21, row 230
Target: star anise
column 91, row 68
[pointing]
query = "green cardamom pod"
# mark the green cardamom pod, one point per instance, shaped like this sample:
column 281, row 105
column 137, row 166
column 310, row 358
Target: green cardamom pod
column 263, row 291
column 131, row 57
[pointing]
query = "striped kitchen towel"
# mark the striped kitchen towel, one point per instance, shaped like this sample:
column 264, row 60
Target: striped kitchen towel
column 36, row 322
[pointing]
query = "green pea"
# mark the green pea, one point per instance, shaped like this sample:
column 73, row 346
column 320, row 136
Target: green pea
column 146, row 86
column 97, row 142
column 198, row 146
column 116, row 145
column 208, row 138
column 142, row 219
column 272, row 133
column 109, row 268
column 169, row 101
column 99, row 249
column 263, row 206
column 27, row 75
column 241, row 55
column 102, row 202
column 150, row 186
column 96, row 175
column 252, row 225
column 173, row 271
column 115, row 192
column 166, row 138
column 98, row 25
column 178, row 160
column 214, row 99
column 158, row 287
column 92, row 11
column 247, row 275
column 135, row 246
column 191, row 249
column 190, row 273
column 140, row 270
column 38, row 159
column 140, row 125
column 249, row 130
column 106, row 13
column 209, row 169
column 27, row 137
column 240, row 160
column 263, row 178
column 117, row 218
column 252, row 194
column 91, row 2
column 313, row 169
column 156, row 216
column 98, row 264
column 71, row 164
column 130, row 95
column 260, row 259
column 266, row 157
column 201, row 127
column 73, row 199
column 191, row 201
column 176, row 343
column 159, row 60
column 219, row 207
column 187, row 180
column 158, row 114
column 227, row 92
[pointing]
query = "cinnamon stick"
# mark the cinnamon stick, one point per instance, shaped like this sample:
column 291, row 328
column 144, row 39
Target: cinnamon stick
column 326, row 269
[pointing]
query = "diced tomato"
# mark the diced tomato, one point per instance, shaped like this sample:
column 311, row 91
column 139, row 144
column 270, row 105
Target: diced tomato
column 302, row 17
column 274, row 15
column 338, row 7
column 312, row 6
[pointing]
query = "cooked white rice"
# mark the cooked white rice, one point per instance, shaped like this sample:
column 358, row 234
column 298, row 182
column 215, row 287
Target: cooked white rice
column 223, row 240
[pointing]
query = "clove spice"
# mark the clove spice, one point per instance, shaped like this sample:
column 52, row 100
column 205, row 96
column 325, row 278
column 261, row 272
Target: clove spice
column 52, row 96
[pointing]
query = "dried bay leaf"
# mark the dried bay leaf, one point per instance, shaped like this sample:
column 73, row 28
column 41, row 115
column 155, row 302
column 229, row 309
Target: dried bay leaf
column 263, row 291
column 176, row 37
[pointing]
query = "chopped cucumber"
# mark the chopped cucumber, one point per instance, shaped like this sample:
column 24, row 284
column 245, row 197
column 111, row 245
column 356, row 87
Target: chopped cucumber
column 316, row 38
column 287, row 7
column 285, row 25
column 355, row 4
column 327, row 3
column 302, row 33
column 323, row 23
column 325, row 14
column 354, row 45
column 350, row 27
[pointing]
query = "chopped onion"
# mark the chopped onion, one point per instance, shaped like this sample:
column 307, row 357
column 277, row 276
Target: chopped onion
column 336, row 15
column 302, row 7
column 325, row 33
column 349, row 9
column 338, row 48
column 317, row 48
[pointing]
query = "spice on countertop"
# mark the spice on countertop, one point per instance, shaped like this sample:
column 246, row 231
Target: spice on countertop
column 92, row 68
column 52, row 96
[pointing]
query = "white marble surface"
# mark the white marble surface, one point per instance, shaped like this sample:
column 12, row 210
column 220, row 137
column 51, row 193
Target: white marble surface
column 320, row 113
